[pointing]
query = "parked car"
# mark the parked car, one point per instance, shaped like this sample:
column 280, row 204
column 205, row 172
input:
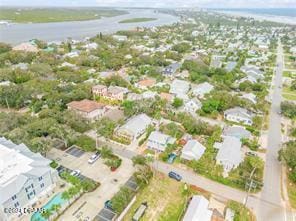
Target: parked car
column 75, row 173
column 252, row 154
column 171, row 158
column 175, row 176
column 108, row 204
column 94, row 157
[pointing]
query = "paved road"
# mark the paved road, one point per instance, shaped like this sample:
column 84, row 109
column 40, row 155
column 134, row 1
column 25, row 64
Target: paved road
column 271, row 191
column 255, row 203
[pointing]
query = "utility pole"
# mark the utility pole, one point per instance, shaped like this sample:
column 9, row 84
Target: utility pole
column 250, row 186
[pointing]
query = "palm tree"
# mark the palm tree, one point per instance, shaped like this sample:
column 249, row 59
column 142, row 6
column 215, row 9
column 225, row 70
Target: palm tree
column 55, row 208
column 46, row 214
column 66, row 196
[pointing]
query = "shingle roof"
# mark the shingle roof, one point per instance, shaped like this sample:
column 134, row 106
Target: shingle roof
column 85, row 105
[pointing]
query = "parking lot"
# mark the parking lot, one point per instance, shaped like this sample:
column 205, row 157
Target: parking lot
column 90, row 204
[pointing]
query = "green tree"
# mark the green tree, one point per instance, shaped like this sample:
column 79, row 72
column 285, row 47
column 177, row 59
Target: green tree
column 105, row 127
column 178, row 102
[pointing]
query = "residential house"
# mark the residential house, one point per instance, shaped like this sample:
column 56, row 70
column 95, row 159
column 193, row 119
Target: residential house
column 202, row 89
column 26, row 47
column 120, row 37
column 230, row 66
column 116, row 92
column 146, row 83
column 252, row 71
column 193, row 150
column 216, row 61
column 166, row 96
column 236, row 131
column 239, row 115
column 134, row 127
column 250, row 97
column 198, row 209
column 100, row 90
column 134, row 97
column 179, row 87
column 171, row 69
column 159, row 141
column 149, row 94
column 229, row 154
column 24, row 178
column 112, row 92
column 88, row 109
column 192, row 105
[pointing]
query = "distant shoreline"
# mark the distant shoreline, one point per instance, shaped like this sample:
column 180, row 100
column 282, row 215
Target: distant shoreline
column 273, row 18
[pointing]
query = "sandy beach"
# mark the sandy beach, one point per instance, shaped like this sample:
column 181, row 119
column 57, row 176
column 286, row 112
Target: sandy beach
column 273, row 18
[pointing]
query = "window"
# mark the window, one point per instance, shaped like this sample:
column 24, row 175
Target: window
column 40, row 178
column 16, row 204
column 41, row 185
column 13, row 197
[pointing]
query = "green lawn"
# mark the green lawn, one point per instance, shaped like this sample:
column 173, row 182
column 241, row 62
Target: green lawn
column 165, row 198
column 55, row 14
column 136, row 20
column 289, row 94
column 291, row 187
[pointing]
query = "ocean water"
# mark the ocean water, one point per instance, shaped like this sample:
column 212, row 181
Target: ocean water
column 287, row 12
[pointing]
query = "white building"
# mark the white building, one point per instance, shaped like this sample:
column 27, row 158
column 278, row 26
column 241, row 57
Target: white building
column 202, row 89
column 192, row 106
column 198, row 210
column 229, row 154
column 179, row 87
column 24, row 177
column 193, row 150
column 134, row 127
column 159, row 141
column 239, row 115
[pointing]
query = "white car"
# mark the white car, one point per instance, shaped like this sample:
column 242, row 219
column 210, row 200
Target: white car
column 93, row 158
column 75, row 173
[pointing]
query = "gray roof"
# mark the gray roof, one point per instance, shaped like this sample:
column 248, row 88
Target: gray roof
column 238, row 111
column 136, row 124
column 230, row 65
column 198, row 210
column 230, row 151
column 236, row 131
column 39, row 166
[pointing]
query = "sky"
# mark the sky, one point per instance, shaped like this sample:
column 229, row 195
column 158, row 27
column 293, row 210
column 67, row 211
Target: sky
column 157, row 3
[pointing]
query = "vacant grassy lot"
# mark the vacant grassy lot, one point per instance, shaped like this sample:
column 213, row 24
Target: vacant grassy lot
column 43, row 15
column 165, row 200
column 136, row 20
column 289, row 94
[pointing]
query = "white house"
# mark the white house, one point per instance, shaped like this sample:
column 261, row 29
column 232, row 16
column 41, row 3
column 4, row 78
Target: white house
column 193, row 150
column 134, row 127
column 159, row 141
column 198, row 210
column 192, row 105
column 120, row 37
column 179, row 88
column 251, row 97
column 239, row 115
column 229, row 154
column 24, row 178
column 202, row 89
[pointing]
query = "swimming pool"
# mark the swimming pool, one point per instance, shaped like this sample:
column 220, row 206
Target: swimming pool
column 57, row 199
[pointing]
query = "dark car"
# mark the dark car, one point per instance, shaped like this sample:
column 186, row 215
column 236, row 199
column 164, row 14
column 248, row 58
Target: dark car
column 108, row 204
column 175, row 176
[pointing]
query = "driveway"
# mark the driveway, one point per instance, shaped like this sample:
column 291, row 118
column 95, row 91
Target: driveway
column 87, row 206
